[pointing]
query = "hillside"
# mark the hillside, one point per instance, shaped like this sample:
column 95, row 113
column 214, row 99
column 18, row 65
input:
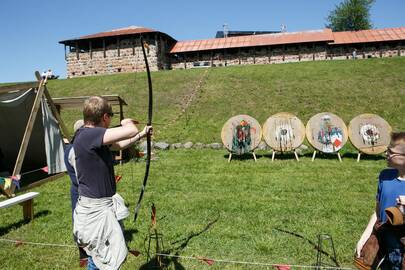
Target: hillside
column 346, row 88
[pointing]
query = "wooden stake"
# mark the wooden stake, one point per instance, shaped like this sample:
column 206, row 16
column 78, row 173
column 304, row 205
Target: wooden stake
column 313, row 156
column 296, row 155
column 358, row 157
column 230, row 157
column 339, row 157
column 273, row 155
column 254, row 156
column 28, row 210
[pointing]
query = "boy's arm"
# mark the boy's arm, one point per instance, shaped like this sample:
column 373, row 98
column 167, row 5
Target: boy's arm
column 126, row 131
column 128, row 142
column 366, row 234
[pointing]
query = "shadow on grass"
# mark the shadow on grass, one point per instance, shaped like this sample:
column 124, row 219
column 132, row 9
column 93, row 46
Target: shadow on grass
column 364, row 156
column 172, row 260
column 247, row 156
column 7, row 229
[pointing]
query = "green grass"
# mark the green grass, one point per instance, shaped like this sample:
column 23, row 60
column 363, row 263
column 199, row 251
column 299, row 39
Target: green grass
column 248, row 200
column 192, row 188
column 346, row 88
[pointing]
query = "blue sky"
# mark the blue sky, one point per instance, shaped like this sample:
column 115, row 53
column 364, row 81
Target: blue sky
column 30, row 30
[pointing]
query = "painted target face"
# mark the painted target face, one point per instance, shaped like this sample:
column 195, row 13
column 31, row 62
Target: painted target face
column 241, row 134
column 369, row 133
column 283, row 132
column 326, row 132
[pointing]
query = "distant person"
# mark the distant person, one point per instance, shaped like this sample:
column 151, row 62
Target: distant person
column 387, row 222
column 70, row 163
column 100, row 209
column 354, row 54
column 48, row 74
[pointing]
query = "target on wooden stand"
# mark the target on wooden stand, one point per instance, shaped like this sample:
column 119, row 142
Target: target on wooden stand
column 327, row 133
column 370, row 134
column 284, row 132
column 241, row 134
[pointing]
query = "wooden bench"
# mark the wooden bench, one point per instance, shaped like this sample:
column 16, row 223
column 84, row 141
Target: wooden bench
column 27, row 202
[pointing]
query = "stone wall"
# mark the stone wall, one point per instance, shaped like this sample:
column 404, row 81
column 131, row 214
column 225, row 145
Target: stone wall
column 129, row 59
column 280, row 54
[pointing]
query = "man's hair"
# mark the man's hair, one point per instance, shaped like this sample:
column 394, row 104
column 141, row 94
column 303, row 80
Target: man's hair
column 94, row 108
column 397, row 137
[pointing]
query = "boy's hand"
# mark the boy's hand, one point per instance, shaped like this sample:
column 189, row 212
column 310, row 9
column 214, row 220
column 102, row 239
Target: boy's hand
column 401, row 200
column 146, row 130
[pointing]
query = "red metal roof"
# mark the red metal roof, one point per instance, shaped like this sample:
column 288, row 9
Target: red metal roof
column 253, row 40
column 116, row 32
column 364, row 36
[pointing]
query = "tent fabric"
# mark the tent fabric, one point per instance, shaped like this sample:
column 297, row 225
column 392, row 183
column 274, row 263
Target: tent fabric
column 45, row 147
column 53, row 141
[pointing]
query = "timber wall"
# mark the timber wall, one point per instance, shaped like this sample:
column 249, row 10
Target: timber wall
column 283, row 54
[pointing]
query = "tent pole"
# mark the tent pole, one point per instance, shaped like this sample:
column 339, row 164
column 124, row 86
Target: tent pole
column 54, row 110
column 28, row 129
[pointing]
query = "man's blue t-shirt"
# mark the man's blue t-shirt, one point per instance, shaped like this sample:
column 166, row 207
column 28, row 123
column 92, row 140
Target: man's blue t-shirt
column 94, row 163
column 389, row 189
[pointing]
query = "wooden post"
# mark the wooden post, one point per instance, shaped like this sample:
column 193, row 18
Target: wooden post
column 185, row 61
column 29, row 127
column 133, row 45
column 77, row 50
column 91, row 50
column 358, row 157
column 313, row 51
column 28, row 210
column 254, row 156
column 230, row 157
column 380, row 46
column 299, row 56
column 118, row 46
column 296, row 155
column 273, row 155
column 254, row 55
column 269, row 52
column 65, row 53
column 212, row 58
column 54, row 110
column 104, row 54
column 313, row 156
column 239, row 55
column 283, row 53
column 339, row 157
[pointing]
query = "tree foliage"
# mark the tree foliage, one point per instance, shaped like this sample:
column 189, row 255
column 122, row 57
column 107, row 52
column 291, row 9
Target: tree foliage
column 350, row 15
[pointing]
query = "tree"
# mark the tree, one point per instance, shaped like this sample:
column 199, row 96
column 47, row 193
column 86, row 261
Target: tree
column 350, row 15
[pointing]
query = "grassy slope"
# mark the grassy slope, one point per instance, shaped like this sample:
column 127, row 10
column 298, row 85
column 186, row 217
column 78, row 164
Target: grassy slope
column 347, row 88
column 191, row 188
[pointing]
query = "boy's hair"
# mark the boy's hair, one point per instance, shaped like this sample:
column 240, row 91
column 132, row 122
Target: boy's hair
column 94, row 108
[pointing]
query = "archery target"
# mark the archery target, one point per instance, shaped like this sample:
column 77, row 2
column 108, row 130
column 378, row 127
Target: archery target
column 326, row 132
column 370, row 133
column 284, row 132
column 241, row 134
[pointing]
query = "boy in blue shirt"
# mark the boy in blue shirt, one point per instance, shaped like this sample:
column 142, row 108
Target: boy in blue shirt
column 390, row 192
